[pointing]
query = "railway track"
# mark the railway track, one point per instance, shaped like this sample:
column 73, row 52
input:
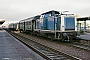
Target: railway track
column 45, row 51
column 81, row 46
column 74, row 44
column 61, row 47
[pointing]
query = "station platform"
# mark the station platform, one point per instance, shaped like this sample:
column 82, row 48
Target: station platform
column 85, row 36
column 13, row 49
column 85, row 39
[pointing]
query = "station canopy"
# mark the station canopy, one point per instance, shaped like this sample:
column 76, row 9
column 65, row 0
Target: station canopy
column 83, row 19
column 2, row 21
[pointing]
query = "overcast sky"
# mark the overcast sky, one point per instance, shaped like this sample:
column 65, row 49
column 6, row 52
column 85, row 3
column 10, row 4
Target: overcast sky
column 15, row 10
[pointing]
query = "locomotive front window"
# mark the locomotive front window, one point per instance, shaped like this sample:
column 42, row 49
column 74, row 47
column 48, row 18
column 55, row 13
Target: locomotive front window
column 69, row 23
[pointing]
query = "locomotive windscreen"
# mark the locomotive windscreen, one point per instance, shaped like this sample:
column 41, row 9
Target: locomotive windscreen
column 69, row 23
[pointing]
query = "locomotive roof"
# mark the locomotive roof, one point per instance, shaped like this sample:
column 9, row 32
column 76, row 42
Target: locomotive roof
column 56, row 12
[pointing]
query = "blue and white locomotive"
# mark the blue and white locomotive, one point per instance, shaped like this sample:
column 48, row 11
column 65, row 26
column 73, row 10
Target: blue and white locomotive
column 54, row 25
column 51, row 25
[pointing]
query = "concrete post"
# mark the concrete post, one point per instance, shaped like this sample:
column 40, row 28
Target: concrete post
column 84, row 25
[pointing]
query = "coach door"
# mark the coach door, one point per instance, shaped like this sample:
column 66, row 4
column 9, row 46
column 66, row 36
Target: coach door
column 33, row 25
